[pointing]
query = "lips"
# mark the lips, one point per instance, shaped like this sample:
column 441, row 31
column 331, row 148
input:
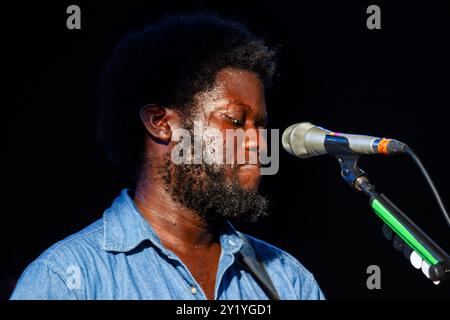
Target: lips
column 247, row 166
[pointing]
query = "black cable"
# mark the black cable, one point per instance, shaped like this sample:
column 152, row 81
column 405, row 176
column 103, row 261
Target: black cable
column 416, row 159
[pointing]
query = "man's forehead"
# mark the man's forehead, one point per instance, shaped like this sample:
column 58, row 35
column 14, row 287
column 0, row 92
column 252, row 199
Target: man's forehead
column 234, row 86
column 242, row 84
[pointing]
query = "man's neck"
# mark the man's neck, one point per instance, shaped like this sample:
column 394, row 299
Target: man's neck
column 177, row 226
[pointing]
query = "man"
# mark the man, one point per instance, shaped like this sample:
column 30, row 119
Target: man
column 171, row 237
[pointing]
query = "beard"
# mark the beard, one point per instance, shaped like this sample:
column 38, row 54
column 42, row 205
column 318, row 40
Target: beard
column 211, row 194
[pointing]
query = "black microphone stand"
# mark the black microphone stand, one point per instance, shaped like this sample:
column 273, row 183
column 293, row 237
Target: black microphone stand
column 435, row 260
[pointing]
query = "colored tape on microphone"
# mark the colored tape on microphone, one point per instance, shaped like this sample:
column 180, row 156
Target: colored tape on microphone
column 383, row 146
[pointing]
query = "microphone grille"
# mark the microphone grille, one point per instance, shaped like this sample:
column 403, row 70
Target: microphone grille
column 293, row 139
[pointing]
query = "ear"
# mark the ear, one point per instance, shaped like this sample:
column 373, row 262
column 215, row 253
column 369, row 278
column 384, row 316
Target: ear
column 156, row 120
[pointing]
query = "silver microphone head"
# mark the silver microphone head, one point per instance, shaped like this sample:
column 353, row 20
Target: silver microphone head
column 304, row 140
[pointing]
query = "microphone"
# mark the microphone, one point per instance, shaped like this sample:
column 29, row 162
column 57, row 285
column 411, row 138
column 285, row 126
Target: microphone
column 306, row 140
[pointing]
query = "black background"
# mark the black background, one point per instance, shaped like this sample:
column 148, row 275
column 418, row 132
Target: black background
column 333, row 72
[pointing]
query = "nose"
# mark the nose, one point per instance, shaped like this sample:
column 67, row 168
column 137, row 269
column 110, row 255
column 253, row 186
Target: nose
column 254, row 143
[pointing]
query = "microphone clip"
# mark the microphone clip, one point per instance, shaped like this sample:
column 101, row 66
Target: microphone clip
column 351, row 173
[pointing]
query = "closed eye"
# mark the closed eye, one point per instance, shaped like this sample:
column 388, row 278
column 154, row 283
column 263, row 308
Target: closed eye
column 236, row 122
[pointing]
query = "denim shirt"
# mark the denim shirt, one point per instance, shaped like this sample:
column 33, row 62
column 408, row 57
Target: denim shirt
column 121, row 257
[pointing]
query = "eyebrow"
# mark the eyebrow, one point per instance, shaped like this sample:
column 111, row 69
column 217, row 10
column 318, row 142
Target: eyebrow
column 240, row 103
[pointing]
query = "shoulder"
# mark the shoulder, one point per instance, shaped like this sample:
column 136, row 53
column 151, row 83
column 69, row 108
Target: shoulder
column 89, row 238
column 285, row 269
column 57, row 272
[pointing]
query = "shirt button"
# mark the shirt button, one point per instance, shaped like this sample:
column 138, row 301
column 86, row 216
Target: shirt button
column 194, row 290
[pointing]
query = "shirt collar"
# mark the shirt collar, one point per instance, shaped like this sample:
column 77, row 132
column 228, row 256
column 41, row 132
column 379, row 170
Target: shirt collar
column 125, row 228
